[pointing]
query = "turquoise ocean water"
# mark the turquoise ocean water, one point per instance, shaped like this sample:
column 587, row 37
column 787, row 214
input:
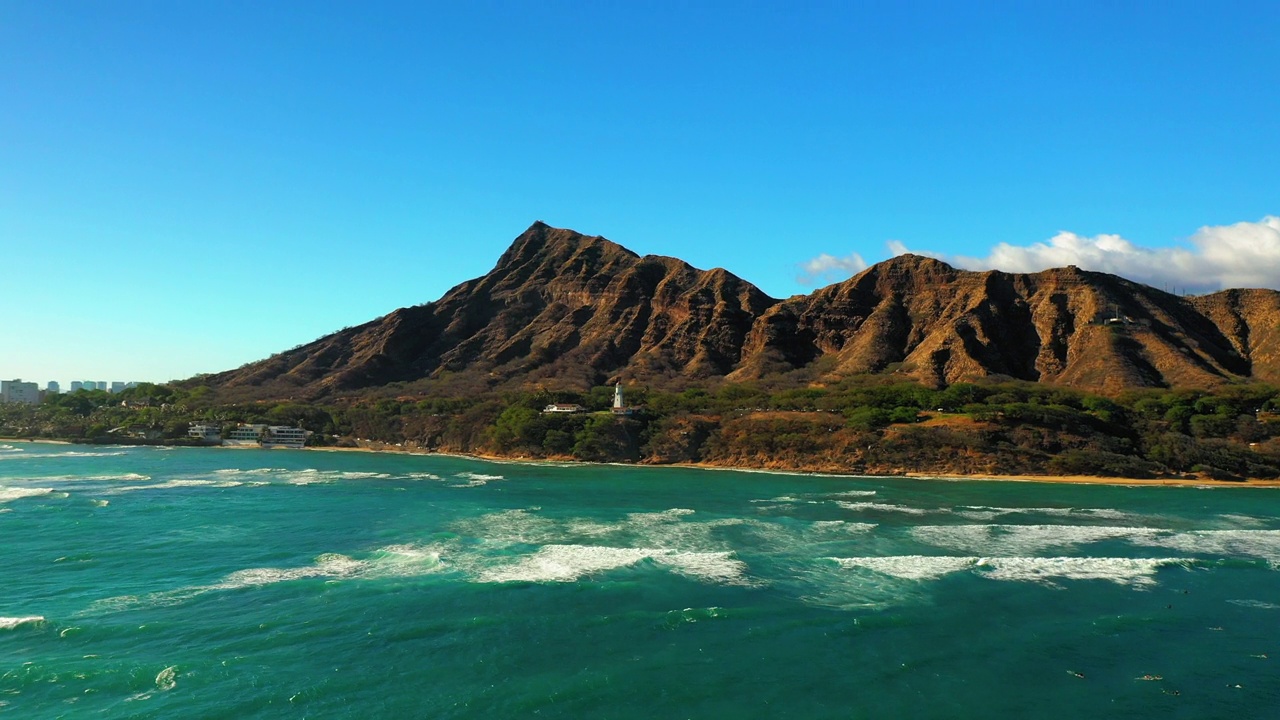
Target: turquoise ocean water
column 159, row 583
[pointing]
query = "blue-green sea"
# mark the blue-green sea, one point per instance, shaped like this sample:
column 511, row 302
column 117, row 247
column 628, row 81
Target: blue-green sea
column 140, row 582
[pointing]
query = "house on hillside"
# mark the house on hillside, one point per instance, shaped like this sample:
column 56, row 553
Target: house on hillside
column 563, row 408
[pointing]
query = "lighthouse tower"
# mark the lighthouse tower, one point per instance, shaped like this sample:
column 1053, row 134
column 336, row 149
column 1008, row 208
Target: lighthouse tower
column 617, row 398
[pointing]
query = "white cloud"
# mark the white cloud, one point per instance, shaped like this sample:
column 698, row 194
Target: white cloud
column 1246, row 254
column 829, row 267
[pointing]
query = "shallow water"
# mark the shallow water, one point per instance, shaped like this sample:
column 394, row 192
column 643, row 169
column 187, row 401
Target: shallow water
column 149, row 582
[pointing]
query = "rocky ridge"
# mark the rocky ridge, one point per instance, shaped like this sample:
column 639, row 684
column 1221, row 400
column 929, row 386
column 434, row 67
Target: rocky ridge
column 569, row 310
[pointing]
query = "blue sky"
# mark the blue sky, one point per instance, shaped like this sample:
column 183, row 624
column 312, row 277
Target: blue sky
column 186, row 187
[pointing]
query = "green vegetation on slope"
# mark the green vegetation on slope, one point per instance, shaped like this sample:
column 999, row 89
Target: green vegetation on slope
column 868, row 424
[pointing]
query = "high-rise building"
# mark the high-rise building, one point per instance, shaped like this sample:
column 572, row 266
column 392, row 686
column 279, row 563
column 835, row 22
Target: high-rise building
column 54, row 388
column 102, row 384
column 18, row 391
column 117, row 386
column 76, row 386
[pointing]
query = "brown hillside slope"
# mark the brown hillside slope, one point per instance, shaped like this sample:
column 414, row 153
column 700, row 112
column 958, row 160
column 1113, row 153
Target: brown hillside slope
column 564, row 308
column 558, row 305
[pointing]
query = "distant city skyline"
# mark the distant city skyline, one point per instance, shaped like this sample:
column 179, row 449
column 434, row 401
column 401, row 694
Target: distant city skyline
column 73, row 385
column 248, row 178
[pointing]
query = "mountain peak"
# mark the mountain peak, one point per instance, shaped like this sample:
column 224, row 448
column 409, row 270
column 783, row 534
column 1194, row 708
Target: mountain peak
column 565, row 309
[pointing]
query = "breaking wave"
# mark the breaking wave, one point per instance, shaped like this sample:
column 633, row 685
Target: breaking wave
column 1123, row 571
column 14, row 493
column 10, row 623
column 568, row 563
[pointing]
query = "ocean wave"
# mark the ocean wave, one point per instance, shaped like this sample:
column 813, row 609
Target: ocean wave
column 1256, row 604
column 909, row 567
column 476, row 479
column 569, row 563
column 390, row 561
column 1021, row 539
column 1242, row 520
column 11, row 623
column 983, row 512
column 882, row 507
column 1254, row 543
column 14, row 493
column 172, row 484
column 1044, row 570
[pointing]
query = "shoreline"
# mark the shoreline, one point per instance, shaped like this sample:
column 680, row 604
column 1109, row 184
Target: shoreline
column 914, row 475
column 944, row 476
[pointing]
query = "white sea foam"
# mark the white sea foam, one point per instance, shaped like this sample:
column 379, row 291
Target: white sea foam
column 1257, row 604
column 172, row 484
column 512, row 526
column 9, row 623
column 1122, row 571
column 568, row 563
column 476, row 479
column 14, row 493
column 1254, row 543
column 910, row 567
column 390, row 561
column 716, row 567
column 1021, row 539
column 880, row 507
column 818, row 498
column 787, row 499
column 167, row 678
column 424, row 476
column 984, row 512
column 1242, row 520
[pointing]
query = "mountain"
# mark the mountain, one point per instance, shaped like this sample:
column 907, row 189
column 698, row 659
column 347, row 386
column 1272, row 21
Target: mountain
column 562, row 309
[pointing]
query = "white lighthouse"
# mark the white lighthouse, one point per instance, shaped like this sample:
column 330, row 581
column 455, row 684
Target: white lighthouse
column 619, row 407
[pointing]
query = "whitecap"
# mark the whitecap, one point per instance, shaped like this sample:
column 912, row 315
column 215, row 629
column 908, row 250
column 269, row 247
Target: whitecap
column 172, row 484
column 1044, row 570
column 910, row 567
column 880, row 507
column 167, row 678
column 568, row 563
column 1257, row 604
column 14, row 493
column 9, row 623
column 476, row 479
column 1122, row 571
column 1021, row 539
column 1245, row 520
column 984, row 512
column 1255, row 543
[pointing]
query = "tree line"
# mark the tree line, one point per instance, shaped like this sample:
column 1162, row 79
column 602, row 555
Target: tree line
column 863, row 424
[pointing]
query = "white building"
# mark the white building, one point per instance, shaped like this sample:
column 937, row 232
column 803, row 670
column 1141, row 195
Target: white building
column 285, row 436
column 245, row 435
column 18, row 391
column 563, row 408
column 205, row 432
column 619, row 407
column 54, row 388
